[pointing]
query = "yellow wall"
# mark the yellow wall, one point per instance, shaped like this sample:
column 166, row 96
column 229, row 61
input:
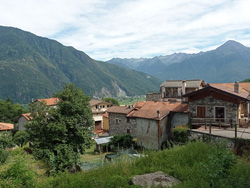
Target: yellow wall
column 105, row 123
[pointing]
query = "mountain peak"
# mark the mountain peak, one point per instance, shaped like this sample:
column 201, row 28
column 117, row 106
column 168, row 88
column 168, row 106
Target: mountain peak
column 230, row 46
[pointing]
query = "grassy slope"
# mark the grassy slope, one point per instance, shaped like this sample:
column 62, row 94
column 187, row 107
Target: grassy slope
column 196, row 165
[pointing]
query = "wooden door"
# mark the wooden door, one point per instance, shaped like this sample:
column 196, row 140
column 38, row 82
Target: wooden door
column 201, row 111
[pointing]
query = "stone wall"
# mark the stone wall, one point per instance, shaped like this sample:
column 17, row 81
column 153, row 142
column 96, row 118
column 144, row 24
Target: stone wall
column 147, row 133
column 153, row 97
column 210, row 103
column 179, row 119
column 204, row 137
column 119, row 124
column 21, row 122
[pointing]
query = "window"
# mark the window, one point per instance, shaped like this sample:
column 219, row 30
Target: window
column 128, row 131
column 128, row 120
column 117, row 121
column 201, row 111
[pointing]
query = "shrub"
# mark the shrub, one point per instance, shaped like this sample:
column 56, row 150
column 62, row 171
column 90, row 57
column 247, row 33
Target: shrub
column 124, row 141
column 3, row 155
column 21, row 138
column 6, row 140
column 18, row 175
column 180, row 135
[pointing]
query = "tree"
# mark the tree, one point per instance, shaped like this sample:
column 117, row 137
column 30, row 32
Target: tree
column 112, row 100
column 61, row 134
column 9, row 112
column 21, row 138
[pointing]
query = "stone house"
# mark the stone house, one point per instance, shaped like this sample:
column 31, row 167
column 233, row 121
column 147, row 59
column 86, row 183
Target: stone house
column 174, row 90
column 149, row 122
column 224, row 102
column 23, row 120
column 120, row 122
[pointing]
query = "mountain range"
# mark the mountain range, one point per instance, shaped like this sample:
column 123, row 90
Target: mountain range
column 228, row 63
column 36, row 67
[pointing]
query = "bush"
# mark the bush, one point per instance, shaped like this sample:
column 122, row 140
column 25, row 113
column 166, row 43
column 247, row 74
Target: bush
column 17, row 176
column 4, row 154
column 6, row 140
column 21, row 138
column 124, row 141
column 180, row 135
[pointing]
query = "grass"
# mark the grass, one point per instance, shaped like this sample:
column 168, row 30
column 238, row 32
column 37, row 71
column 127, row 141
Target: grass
column 195, row 164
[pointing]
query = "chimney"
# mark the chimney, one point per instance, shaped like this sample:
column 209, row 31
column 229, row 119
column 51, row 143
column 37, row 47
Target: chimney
column 183, row 88
column 158, row 113
column 236, row 87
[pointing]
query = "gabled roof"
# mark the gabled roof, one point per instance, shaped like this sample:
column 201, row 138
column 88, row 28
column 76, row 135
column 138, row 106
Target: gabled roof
column 226, row 88
column 120, row 109
column 150, row 108
column 6, row 126
column 49, row 101
column 178, row 83
column 96, row 102
column 27, row 116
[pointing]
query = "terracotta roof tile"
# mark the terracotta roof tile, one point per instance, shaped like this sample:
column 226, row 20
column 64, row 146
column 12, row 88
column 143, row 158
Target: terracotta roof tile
column 139, row 104
column 96, row 102
column 229, row 88
column 150, row 108
column 27, row 116
column 6, row 126
column 49, row 101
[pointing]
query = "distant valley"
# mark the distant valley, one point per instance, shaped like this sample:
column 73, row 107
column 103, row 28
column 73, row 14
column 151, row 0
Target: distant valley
column 228, row 63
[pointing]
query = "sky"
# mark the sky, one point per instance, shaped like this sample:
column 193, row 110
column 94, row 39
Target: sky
column 105, row 29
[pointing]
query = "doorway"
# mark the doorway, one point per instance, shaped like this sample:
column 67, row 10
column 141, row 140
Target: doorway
column 220, row 114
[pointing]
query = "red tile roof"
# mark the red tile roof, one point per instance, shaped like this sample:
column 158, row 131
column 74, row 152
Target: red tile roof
column 96, row 102
column 229, row 88
column 150, row 108
column 139, row 104
column 49, row 101
column 27, row 116
column 6, row 126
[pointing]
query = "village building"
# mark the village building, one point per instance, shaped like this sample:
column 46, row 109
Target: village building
column 173, row 90
column 119, row 121
column 150, row 123
column 223, row 102
column 23, row 120
column 51, row 102
column 6, row 126
column 98, row 108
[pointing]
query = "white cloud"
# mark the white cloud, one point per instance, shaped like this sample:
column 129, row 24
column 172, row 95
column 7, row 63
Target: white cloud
column 134, row 28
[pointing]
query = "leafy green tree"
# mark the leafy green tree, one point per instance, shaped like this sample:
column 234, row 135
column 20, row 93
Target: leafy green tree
column 125, row 141
column 6, row 140
column 61, row 134
column 112, row 100
column 9, row 112
column 21, row 138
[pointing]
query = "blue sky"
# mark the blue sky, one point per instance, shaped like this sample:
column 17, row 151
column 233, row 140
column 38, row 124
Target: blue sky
column 105, row 29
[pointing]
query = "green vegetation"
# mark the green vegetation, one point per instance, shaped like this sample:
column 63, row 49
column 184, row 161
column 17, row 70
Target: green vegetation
column 195, row 164
column 131, row 100
column 246, row 80
column 21, row 138
column 36, row 67
column 9, row 112
column 59, row 135
column 124, row 141
column 112, row 100
column 180, row 135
